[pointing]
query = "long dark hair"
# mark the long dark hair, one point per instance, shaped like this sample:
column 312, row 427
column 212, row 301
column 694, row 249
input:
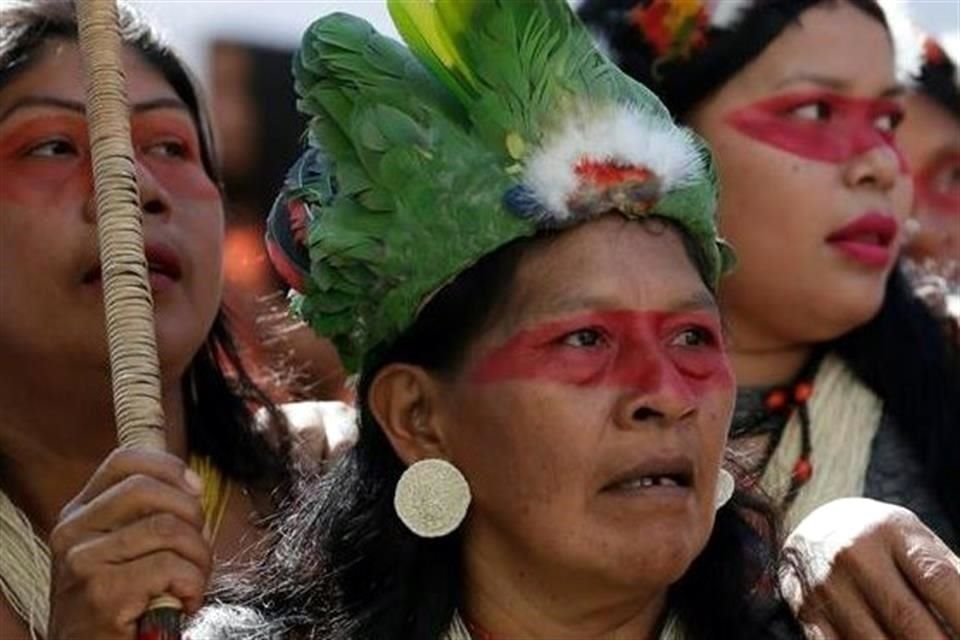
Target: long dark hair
column 937, row 78
column 345, row 568
column 219, row 395
column 901, row 353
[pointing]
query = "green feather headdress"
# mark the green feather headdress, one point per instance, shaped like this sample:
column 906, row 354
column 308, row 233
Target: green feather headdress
column 500, row 120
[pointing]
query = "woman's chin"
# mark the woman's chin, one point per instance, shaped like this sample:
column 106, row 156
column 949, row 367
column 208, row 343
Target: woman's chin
column 848, row 309
column 654, row 557
column 177, row 346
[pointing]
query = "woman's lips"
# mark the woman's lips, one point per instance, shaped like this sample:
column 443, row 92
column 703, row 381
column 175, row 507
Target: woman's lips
column 667, row 476
column 868, row 240
column 163, row 265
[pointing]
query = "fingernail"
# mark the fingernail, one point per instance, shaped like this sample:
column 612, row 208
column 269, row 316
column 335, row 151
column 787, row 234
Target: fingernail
column 194, row 482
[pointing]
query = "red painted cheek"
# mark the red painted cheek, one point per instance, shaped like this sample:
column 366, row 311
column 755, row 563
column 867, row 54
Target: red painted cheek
column 29, row 178
column 44, row 185
column 944, row 204
column 182, row 179
column 181, row 175
column 635, row 353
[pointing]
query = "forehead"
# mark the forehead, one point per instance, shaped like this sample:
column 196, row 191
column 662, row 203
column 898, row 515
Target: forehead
column 58, row 72
column 609, row 263
column 833, row 41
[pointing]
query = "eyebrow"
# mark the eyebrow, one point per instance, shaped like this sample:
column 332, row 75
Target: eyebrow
column 833, row 83
column 80, row 108
column 698, row 301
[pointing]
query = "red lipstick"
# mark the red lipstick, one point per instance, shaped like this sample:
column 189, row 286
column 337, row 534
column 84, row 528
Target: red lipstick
column 868, row 240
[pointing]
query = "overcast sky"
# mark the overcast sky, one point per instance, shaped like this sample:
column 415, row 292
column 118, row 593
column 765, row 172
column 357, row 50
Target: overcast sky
column 190, row 24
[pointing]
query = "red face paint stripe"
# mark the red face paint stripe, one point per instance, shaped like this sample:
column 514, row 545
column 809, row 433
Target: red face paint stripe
column 844, row 129
column 938, row 186
column 642, row 350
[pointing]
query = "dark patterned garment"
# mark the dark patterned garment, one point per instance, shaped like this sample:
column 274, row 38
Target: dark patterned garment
column 894, row 474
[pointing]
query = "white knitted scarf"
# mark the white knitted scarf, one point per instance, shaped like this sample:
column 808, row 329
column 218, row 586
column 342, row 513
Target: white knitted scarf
column 844, row 417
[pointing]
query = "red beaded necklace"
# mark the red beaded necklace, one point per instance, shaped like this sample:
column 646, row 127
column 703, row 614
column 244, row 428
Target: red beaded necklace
column 786, row 402
column 782, row 402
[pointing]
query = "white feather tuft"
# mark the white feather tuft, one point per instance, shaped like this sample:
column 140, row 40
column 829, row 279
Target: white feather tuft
column 616, row 133
column 725, row 13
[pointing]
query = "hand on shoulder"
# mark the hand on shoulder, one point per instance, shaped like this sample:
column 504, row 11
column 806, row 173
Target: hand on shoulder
column 858, row 568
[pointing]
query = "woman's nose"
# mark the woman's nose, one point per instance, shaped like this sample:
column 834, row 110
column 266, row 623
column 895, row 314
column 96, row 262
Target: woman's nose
column 877, row 168
column 664, row 400
column 153, row 198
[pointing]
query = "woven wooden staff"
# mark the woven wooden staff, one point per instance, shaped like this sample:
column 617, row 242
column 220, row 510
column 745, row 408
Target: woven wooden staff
column 134, row 364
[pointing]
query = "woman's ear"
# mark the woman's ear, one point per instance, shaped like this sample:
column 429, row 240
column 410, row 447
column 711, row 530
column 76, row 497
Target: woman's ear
column 403, row 399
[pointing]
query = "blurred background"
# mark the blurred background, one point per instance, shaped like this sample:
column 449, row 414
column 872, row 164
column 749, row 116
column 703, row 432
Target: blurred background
column 241, row 49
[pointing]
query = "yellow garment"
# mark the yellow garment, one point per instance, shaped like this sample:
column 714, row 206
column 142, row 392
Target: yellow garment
column 215, row 496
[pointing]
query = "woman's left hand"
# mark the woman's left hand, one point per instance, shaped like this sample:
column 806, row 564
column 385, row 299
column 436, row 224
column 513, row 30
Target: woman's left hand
column 858, row 568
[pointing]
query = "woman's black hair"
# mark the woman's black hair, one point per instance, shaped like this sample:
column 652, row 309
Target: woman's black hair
column 683, row 82
column 904, row 355
column 345, row 568
column 219, row 395
column 901, row 353
column 937, row 79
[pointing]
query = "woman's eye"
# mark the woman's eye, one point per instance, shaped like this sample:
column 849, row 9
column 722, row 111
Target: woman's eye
column 168, row 149
column 584, row 339
column 888, row 122
column 947, row 180
column 694, row 337
column 814, row 111
column 52, row 149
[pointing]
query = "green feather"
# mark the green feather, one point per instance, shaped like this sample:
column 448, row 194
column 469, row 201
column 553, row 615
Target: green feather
column 425, row 143
column 424, row 31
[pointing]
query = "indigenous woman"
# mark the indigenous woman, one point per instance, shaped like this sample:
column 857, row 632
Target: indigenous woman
column 848, row 387
column 515, row 248
column 131, row 527
column 930, row 138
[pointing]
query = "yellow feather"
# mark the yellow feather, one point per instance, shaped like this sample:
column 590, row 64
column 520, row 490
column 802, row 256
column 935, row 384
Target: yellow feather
column 431, row 30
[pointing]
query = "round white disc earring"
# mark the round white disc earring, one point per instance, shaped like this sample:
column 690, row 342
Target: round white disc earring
column 725, row 487
column 911, row 226
column 431, row 498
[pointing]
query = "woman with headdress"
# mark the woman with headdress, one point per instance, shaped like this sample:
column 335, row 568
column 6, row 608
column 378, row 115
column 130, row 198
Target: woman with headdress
column 514, row 246
column 930, row 139
column 847, row 385
column 130, row 527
